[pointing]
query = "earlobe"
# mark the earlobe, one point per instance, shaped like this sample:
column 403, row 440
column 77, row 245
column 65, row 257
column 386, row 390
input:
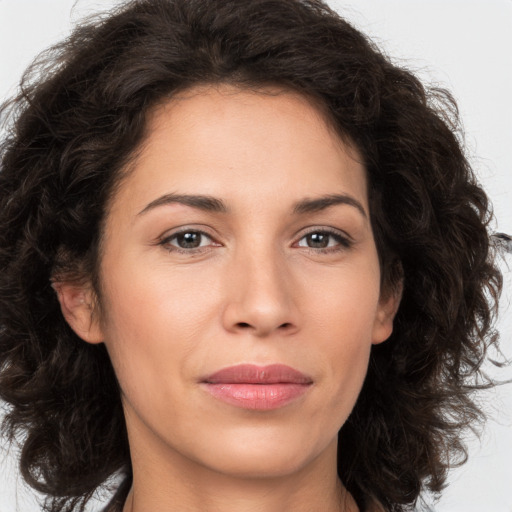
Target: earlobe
column 387, row 308
column 77, row 303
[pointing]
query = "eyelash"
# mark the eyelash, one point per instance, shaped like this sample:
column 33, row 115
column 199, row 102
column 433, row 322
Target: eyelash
column 166, row 242
column 344, row 242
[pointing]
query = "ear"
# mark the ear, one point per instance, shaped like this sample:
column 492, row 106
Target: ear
column 78, row 306
column 386, row 311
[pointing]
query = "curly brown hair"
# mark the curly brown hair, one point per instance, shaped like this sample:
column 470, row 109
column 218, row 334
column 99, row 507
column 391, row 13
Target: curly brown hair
column 78, row 120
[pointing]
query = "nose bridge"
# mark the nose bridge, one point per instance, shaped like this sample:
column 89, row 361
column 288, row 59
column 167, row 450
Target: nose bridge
column 261, row 298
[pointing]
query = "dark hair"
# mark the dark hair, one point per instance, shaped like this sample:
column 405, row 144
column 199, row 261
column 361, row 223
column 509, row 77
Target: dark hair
column 77, row 121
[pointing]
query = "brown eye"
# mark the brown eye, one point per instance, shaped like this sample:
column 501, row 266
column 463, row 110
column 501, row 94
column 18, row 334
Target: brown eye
column 318, row 240
column 189, row 240
column 184, row 240
column 324, row 240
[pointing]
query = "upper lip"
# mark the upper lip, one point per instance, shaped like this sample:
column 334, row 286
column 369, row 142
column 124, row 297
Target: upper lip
column 254, row 374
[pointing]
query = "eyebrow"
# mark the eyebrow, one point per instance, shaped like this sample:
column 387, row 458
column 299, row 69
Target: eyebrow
column 215, row 205
column 202, row 202
column 324, row 202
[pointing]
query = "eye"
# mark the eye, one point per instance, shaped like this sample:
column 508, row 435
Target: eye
column 187, row 241
column 325, row 241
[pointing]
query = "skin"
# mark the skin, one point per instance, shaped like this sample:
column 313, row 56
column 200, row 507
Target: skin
column 256, row 290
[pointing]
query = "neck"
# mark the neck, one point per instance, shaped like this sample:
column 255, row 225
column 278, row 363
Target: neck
column 244, row 497
column 176, row 485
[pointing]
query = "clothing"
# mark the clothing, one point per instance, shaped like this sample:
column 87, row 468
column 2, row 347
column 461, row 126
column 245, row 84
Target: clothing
column 116, row 504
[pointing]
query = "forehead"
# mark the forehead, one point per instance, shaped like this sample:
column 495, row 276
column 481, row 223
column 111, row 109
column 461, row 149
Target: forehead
column 223, row 99
column 223, row 140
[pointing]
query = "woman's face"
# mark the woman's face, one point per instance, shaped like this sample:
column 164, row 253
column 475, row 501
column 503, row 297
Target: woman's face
column 241, row 236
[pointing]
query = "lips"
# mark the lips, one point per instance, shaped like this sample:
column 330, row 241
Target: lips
column 257, row 387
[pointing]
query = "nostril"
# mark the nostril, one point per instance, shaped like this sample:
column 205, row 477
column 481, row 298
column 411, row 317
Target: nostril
column 243, row 324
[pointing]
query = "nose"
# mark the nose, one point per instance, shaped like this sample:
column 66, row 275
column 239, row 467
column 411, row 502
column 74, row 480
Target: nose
column 260, row 299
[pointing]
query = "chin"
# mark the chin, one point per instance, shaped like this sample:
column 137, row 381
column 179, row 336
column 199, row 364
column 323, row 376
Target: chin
column 264, row 456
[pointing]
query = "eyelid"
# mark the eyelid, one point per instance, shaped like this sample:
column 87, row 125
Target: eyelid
column 345, row 241
column 164, row 240
column 325, row 229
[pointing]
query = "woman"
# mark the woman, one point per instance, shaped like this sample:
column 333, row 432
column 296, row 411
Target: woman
column 246, row 266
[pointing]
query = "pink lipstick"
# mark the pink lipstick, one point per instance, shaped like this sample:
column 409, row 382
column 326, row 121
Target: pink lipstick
column 257, row 387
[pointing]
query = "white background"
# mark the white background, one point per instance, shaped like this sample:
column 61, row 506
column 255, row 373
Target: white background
column 465, row 45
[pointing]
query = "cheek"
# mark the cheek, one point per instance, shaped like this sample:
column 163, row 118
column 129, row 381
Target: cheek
column 343, row 320
column 154, row 320
column 344, row 305
column 348, row 348
column 158, row 298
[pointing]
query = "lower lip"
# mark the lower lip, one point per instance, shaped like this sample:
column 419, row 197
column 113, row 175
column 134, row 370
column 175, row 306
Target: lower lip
column 261, row 397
